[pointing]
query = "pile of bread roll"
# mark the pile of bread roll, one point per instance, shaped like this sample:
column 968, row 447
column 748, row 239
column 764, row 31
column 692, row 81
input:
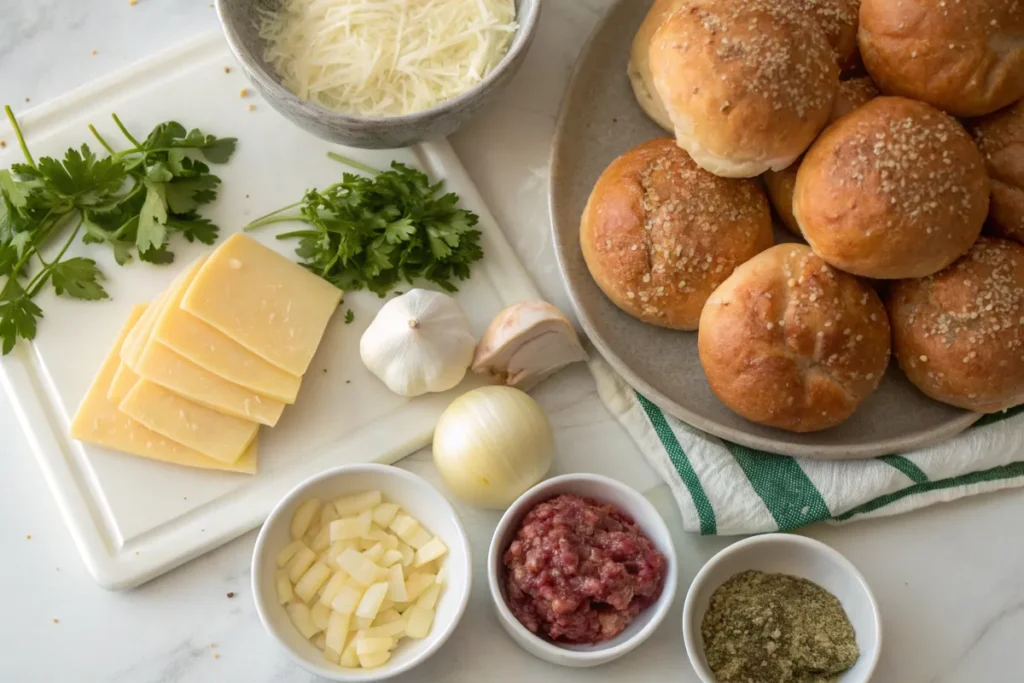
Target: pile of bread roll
column 845, row 109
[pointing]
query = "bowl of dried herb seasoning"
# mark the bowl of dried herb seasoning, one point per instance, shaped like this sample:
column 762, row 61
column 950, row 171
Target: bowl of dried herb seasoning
column 781, row 608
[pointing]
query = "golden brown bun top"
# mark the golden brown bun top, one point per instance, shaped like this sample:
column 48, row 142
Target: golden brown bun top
column 894, row 189
column 838, row 19
column 960, row 333
column 853, row 94
column 748, row 83
column 790, row 341
column 659, row 233
column 963, row 56
column 639, row 61
column 1000, row 136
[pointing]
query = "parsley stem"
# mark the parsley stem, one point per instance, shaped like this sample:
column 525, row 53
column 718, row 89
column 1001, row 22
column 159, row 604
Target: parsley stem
column 273, row 218
column 36, row 283
column 103, row 142
column 21, row 138
column 353, row 163
column 124, row 131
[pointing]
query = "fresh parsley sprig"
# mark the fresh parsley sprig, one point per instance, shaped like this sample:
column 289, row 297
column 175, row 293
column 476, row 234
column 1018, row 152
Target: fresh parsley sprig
column 131, row 200
column 374, row 231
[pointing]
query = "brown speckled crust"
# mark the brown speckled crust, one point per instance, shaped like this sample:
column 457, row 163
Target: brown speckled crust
column 963, row 56
column 748, row 83
column 838, row 19
column 639, row 69
column 1000, row 137
column 852, row 94
column 659, row 233
column 896, row 189
column 959, row 335
column 790, row 342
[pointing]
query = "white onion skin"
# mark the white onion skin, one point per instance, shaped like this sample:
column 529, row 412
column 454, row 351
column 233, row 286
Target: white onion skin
column 491, row 445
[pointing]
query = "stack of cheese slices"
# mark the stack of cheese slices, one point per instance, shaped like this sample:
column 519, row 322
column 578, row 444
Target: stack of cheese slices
column 194, row 374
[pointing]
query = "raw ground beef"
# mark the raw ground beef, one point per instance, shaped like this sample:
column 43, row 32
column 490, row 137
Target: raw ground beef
column 580, row 571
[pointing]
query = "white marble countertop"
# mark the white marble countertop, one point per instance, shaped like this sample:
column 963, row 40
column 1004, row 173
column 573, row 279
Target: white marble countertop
column 950, row 580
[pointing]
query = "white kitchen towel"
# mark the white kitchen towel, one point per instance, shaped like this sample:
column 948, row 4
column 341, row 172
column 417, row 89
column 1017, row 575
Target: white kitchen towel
column 724, row 489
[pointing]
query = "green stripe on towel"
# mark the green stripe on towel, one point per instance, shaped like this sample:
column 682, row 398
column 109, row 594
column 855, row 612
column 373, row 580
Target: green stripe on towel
column 1010, row 471
column 706, row 513
column 787, row 492
column 906, row 467
column 992, row 418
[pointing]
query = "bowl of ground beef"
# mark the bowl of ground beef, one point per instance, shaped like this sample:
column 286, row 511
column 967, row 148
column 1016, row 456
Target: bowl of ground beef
column 582, row 570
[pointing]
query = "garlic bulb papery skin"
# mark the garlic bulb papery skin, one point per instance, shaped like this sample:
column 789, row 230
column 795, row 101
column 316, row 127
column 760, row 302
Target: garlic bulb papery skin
column 420, row 342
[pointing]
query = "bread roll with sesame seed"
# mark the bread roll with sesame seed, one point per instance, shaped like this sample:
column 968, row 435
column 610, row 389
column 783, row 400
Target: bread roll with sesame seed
column 790, row 342
column 963, row 56
column 959, row 334
column 639, row 70
column 748, row 84
column 896, row 189
column 659, row 233
column 1000, row 138
column 852, row 94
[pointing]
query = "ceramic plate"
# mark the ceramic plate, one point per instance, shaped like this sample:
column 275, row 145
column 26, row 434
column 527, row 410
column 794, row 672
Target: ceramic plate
column 599, row 121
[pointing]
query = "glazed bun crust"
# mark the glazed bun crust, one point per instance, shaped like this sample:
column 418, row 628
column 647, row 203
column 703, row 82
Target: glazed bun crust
column 896, row 189
column 790, row 342
column 1000, row 138
column 639, row 70
column 838, row 19
column 963, row 56
column 659, row 233
column 959, row 334
column 748, row 84
column 779, row 185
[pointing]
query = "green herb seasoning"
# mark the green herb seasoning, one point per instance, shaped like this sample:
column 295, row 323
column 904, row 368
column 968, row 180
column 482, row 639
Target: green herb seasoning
column 776, row 628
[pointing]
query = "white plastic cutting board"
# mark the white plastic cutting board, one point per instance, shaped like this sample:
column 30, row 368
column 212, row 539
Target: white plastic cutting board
column 134, row 519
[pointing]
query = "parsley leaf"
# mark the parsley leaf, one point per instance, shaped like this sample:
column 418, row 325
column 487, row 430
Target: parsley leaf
column 349, row 316
column 374, row 232
column 152, row 230
column 79, row 277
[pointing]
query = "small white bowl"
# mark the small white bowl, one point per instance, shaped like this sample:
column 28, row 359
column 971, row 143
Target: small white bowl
column 797, row 556
column 604, row 490
column 419, row 499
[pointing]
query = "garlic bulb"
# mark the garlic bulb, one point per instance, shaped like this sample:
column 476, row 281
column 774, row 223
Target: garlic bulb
column 419, row 342
column 492, row 444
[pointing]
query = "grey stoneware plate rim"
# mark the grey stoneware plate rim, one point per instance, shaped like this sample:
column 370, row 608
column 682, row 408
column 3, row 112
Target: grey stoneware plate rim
column 592, row 308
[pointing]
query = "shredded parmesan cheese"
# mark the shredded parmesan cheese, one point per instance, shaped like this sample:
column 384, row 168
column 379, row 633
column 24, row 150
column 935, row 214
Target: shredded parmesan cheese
column 386, row 57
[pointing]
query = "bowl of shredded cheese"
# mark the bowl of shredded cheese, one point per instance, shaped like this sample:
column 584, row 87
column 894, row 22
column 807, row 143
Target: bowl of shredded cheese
column 379, row 73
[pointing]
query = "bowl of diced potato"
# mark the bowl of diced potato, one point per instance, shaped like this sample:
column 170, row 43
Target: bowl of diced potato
column 362, row 572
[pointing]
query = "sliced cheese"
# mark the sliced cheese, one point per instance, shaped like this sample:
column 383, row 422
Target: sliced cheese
column 124, row 380
column 164, row 367
column 213, row 434
column 99, row 421
column 141, row 331
column 271, row 306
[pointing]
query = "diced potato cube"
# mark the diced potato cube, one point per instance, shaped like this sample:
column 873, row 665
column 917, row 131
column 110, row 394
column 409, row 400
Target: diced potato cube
column 321, row 640
column 322, row 540
column 347, row 599
column 392, row 629
column 337, row 631
column 310, row 583
column 349, row 658
column 391, row 542
column 331, row 588
column 401, row 607
column 360, row 568
column 428, row 598
column 303, row 516
column 356, row 503
column 433, row 549
column 332, row 656
column 419, row 538
column 302, row 561
column 442, row 575
column 386, row 616
column 328, row 513
column 288, row 552
column 300, row 616
column 386, row 605
column 320, row 613
column 374, row 660
column 374, row 554
column 408, row 554
column 346, row 528
column 396, row 584
column 370, row 646
column 384, row 513
column 284, row 587
column 389, row 558
column 360, row 623
column 364, row 544
column 307, row 540
column 415, row 584
column 376, row 533
column 404, row 526
column 418, row 621
column 372, row 599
